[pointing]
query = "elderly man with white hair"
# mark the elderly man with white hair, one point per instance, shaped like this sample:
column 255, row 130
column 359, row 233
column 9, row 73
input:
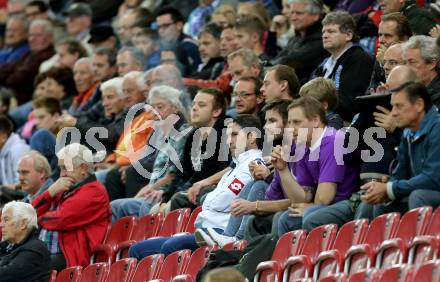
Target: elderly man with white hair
column 74, row 212
column 23, row 257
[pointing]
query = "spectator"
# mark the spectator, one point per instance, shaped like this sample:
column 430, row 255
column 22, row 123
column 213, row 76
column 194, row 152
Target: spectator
column 37, row 9
column 280, row 82
column 256, row 9
column 85, row 83
column 12, row 149
column 68, row 51
column 324, row 90
column 224, row 274
column 249, row 32
column 130, row 21
column 244, row 62
column 104, row 64
column 22, row 256
column 420, row 19
column 224, row 16
column 20, row 75
column 248, row 98
column 392, row 57
column 198, row 17
column 170, row 24
column 422, row 54
column 16, row 45
column 209, row 47
column 102, row 36
column 244, row 145
column 147, row 40
column 78, row 23
column 349, row 66
column 304, row 51
column 129, row 59
column 74, row 212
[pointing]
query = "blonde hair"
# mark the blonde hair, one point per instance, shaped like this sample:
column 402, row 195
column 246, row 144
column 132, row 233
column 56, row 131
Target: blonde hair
column 224, row 274
column 228, row 12
column 323, row 90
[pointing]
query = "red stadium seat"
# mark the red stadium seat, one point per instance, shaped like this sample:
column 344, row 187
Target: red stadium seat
column 174, row 222
column 119, row 232
column 289, row 244
column 335, row 277
column 190, row 228
column 198, row 260
column 391, row 253
column 122, row 270
column 367, row 275
column 148, row 268
column 319, row 239
column 71, row 274
column 400, row 273
column 237, row 245
column 97, row 272
column 422, row 249
column 434, row 225
column 184, row 278
column 328, row 262
column 362, row 256
column 146, row 227
column 174, row 264
column 53, row 275
column 428, row 272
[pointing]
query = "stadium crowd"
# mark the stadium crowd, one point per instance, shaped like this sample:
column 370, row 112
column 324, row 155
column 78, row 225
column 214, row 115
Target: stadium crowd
column 271, row 115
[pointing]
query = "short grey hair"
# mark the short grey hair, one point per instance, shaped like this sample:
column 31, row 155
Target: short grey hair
column 41, row 164
column 137, row 76
column 76, row 154
column 312, row 6
column 21, row 18
column 427, row 46
column 115, row 83
column 170, row 75
column 84, row 60
column 247, row 55
column 170, row 94
column 22, row 210
column 136, row 55
column 48, row 27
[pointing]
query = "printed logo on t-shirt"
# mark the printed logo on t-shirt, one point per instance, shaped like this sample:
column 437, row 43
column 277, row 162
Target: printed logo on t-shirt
column 236, row 186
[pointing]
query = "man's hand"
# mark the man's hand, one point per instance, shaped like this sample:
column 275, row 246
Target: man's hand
column 143, row 192
column 380, row 52
column 153, row 195
column 384, row 119
column 297, row 209
column 242, row 207
column 277, row 158
column 66, row 120
column 260, row 172
column 61, row 185
column 435, row 31
column 194, row 191
column 375, row 193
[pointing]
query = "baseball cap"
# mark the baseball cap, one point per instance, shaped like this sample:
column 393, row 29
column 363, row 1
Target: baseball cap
column 100, row 33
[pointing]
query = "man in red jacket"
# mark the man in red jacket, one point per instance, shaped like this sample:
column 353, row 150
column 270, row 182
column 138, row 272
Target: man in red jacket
column 74, row 212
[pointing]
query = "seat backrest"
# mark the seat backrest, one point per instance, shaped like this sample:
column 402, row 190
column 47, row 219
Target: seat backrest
column 192, row 219
column 289, row 244
column 147, row 226
column 148, row 268
column 97, row 272
column 392, row 252
column 371, row 275
column 434, row 226
column 122, row 270
column 121, row 230
column 413, row 223
column 237, row 245
column 336, row 277
column 381, row 228
column 71, row 274
column 351, row 233
column 401, row 273
column 174, row 222
column 428, row 271
column 319, row 239
column 53, row 274
column 174, row 264
column 198, row 260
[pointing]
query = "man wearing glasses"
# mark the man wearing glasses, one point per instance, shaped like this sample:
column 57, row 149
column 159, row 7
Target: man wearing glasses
column 170, row 24
column 248, row 98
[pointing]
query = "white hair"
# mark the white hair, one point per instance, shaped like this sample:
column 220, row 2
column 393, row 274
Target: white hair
column 76, row 154
column 22, row 210
column 48, row 27
column 137, row 76
column 170, row 94
column 115, row 83
column 84, row 60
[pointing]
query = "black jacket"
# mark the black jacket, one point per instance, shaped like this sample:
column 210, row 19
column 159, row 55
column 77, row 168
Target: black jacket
column 434, row 91
column 351, row 75
column 27, row 261
column 420, row 20
column 304, row 54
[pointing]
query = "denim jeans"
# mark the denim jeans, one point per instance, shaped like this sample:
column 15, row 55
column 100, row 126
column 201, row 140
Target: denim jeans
column 130, row 206
column 288, row 223
column 253, row 191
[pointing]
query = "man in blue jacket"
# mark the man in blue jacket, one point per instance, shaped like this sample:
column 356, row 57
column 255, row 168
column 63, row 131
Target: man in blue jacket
column 415, row 181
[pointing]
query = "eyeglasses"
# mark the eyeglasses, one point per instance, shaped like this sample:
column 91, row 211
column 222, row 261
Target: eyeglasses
column 165, row 25
column 392, row 62
column 242, row 95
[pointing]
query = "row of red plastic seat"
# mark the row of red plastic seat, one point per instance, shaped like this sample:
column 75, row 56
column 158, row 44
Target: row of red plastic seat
column 358, row 245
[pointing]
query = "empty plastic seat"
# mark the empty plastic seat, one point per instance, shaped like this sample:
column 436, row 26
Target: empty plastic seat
column 319, row 239
column 146, row 227
column 148, row 268
column 71, row 274
column 335, row 277
column 174, row 222
column 97, row 272
column 237, row 245
column 122, row 270
column 367, row 275
column 174, row 264
column 198, row 260
column 391, row 252
column 362, row 256
column 422, row 249
column 400, row 273
column 328, row 262
column 434, row 225
column 190, row 228
column 289, row 244
column 119, row 232
column 427, row 272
